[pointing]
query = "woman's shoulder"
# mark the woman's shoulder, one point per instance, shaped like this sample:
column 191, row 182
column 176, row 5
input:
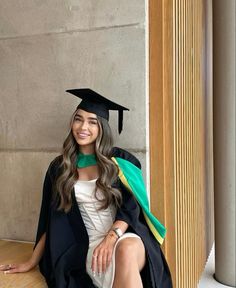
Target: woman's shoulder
column 124, row 154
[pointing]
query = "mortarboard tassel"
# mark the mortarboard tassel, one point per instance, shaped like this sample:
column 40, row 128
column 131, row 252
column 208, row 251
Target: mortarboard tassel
column 120, row 121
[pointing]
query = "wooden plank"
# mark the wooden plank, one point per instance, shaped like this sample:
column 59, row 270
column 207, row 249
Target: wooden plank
column 18, row 252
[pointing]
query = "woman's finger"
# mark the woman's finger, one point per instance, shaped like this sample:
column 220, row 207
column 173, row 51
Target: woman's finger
column 109, row 257
column 94, row 264
column 99, row 264
column 5, row 267
column 12, row 268
column 11, row 271
column 104, row 262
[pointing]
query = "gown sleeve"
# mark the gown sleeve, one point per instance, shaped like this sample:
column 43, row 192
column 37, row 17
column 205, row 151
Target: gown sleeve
column 129, row 210
column 46, row 203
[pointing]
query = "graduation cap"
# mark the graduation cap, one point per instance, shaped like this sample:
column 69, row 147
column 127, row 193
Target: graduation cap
column 95, row 103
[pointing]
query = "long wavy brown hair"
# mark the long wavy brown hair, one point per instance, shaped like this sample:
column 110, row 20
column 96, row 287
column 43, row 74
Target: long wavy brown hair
column 108, row 170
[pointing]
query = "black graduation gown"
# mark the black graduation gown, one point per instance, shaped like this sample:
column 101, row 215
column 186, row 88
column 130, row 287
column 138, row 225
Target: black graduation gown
column 63, row 263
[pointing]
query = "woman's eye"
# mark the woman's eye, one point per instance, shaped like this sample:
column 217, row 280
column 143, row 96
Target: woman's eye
column 93, row 122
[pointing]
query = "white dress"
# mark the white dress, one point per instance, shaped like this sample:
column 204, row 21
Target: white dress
column 97, row 223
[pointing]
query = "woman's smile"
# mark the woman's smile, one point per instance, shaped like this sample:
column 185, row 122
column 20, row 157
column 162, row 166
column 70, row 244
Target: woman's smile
column 83, row 135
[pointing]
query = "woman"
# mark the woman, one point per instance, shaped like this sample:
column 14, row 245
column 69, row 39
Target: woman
column 94, row 225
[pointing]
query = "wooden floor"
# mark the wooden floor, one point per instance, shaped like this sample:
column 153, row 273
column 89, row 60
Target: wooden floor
column 17, row 252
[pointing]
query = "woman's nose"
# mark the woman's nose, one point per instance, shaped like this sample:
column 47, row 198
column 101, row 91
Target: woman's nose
column 84, row 125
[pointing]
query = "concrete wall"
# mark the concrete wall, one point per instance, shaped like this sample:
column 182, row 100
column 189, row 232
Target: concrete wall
column 224, row 57
column 47, row 47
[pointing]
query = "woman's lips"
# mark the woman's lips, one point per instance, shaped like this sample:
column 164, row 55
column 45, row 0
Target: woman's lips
column 83, row 135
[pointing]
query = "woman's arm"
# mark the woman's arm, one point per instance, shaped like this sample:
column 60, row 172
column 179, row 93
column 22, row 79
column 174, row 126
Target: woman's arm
column 31, row 263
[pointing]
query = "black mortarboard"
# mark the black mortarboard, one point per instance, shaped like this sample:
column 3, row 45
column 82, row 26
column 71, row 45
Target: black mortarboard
column 95, row 103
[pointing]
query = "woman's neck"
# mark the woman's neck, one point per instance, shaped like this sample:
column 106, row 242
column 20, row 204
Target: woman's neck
column 86, row 150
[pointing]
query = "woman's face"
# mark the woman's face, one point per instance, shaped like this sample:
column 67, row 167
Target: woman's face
column 85, row 129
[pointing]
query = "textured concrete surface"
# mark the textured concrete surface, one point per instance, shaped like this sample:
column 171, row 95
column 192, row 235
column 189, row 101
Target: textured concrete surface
column 47, row 47
column 35, row 72
column 224, row 58
column 30, row 17
column 21, row 181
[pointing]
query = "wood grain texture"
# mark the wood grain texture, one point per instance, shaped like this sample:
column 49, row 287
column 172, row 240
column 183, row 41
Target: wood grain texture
column 177, row 133
column 17, row 252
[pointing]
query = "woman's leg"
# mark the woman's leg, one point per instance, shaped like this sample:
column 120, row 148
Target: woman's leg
column 129, row 259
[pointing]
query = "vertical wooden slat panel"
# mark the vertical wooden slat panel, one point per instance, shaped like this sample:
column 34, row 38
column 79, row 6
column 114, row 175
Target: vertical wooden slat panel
column 189, row 128
column 155, row 54
column 181, row 127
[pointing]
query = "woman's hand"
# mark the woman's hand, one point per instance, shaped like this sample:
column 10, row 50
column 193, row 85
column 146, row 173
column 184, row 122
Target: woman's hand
column 102, row 254
column 17, row 268
column 31, row 263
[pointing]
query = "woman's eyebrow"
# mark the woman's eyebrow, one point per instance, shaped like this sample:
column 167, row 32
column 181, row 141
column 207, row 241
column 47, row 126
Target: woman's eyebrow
column 90, row 118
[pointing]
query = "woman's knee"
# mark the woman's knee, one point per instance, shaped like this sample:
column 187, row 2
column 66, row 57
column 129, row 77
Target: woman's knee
column 124, row 253
column 128, row 251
